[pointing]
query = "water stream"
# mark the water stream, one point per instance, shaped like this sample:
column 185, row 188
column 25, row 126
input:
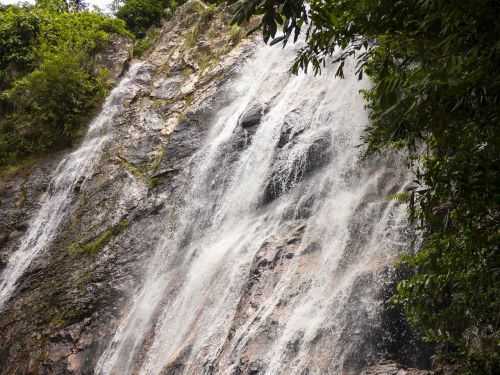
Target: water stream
column 59, row 199
column 275, row 259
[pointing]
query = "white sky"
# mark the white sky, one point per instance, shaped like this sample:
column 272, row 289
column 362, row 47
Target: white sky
column 100, row 3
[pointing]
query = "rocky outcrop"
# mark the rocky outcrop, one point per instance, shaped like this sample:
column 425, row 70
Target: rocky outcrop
column 74, row 295
column 20, row 194
column 394, row 368
column 115, row 57
column 285, row 256
column 252, row 116
column 69, row 301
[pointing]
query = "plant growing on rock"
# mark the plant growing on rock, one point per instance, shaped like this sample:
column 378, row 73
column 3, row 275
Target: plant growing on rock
column 49, row 83
column 140, row 15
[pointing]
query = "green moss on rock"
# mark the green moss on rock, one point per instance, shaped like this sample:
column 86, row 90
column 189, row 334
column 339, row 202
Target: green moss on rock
column 64, row 317
column 93, row 247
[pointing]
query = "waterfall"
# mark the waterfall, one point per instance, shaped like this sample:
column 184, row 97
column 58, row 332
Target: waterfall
column 58, row 201
column 275, row 258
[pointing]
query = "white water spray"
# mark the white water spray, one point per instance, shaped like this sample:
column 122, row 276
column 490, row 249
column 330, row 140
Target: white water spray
column 58, row 201
column 274, row 258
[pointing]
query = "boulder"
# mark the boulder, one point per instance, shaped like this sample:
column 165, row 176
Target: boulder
column 252, row 116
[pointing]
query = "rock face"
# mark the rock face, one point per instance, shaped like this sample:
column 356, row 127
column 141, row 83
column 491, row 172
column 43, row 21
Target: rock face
column 115, row 56
column 316, row 156
column 73, row 297
column 20, row 193
column 67, row 303
column 252, row 116
column 394, row 368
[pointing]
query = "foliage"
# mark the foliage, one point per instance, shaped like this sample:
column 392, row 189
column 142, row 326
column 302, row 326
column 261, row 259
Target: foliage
column 144, row 44
column 62, row 6
column 236, row 33
column 48, row 104
column 48, row 82
column 93, row 247
column 19, row 29
column 63, row 317
column 140, row 15
column 209, row 12
column 435, row 71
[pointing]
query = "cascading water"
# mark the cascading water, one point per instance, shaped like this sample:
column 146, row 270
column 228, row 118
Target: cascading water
column 272, row 263
column 58, row 201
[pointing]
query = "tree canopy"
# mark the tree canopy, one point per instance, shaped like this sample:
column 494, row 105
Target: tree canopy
column 48, row 80
column 435, row 66
column 140, row 15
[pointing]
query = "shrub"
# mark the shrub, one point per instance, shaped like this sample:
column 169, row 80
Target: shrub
column 147, row 42
column 48, row 82
column 49, row 105
column 140, row 15
column 19, row 29
column 236, row 33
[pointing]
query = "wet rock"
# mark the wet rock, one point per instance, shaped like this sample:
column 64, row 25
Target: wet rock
column 74, row 301
column 318, row 154
column 178, row 364
column 284, row 138
column 398, row 340
column 312, row 248
column 267, row 268
column 78, row 185
column 182, row 144
column 252, row 116
column 394, row 368
column 289, row 173
column 19, row 199
column 242, row 138
column 3, row 264
column 245, row 131
column 57, row 351
column 76, row 361
column 254, row 368
column 288, row 136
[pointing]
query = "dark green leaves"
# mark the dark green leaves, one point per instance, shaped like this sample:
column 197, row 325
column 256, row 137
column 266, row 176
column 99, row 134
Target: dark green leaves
column 48, row 81
column 140, row 15
column 287, row 16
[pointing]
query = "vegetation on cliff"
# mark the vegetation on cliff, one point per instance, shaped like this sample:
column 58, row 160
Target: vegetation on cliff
column 141, row 15
column 435, row 65
column 49, row 82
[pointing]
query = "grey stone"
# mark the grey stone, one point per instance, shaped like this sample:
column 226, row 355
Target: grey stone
column 168, row 88
column 252, row 116
column 317, row 155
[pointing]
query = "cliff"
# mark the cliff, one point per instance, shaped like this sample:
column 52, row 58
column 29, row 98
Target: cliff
column 66, row 302
column 223, row 222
